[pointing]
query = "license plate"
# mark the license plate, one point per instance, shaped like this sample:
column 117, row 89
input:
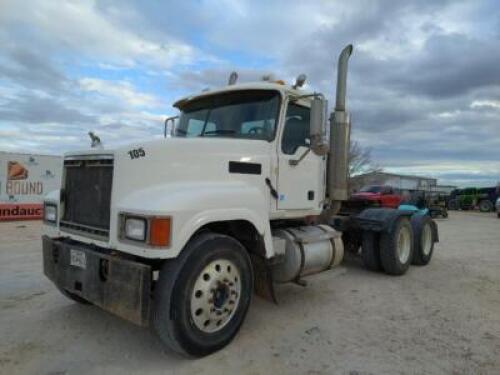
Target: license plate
column 78, row 259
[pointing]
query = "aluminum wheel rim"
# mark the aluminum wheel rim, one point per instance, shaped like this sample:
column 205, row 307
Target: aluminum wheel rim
column 426, row 239
column 216, row 295
column 404, row 244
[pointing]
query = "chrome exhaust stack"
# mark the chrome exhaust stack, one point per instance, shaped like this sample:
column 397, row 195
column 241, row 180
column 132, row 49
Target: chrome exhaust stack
column 340, row 134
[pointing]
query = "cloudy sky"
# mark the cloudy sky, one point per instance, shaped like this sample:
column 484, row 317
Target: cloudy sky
column 424, row 84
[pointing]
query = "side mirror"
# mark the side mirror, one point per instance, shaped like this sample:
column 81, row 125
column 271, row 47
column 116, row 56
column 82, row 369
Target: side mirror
column 169, row 128
column 317, row 127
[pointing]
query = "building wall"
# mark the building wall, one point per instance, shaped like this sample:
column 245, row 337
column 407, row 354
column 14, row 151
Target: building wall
column 26, row 178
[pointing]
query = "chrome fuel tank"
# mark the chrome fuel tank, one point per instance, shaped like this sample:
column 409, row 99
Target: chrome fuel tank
column 308, row 250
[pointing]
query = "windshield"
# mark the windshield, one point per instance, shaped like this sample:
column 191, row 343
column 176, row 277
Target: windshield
column 246, row 114
column 371, row 189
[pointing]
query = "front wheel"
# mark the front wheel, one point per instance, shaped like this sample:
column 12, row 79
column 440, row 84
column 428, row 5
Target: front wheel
column 396, row 247
column 202, row 297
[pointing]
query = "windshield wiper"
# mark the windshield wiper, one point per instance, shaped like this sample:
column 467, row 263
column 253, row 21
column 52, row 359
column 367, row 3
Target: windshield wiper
column 218, row 131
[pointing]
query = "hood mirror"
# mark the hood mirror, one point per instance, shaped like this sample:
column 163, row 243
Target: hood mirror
column 169, row 129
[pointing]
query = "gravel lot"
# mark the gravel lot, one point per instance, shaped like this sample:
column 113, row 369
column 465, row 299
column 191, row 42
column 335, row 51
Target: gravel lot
column 443, row 318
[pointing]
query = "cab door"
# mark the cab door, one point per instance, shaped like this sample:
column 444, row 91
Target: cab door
column 301, row 173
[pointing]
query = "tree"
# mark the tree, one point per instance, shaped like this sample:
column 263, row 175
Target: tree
column 360, row 160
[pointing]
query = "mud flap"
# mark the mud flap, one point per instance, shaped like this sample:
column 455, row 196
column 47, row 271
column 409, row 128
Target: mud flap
column 263, row 278
column 435, row 232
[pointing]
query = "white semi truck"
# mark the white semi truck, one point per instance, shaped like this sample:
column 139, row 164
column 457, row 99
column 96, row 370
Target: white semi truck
column 246, row 193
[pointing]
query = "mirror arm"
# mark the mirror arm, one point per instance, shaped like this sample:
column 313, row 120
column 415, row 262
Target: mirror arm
column 296, row 162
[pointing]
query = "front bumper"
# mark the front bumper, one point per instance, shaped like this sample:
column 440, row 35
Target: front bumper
column 117, row 285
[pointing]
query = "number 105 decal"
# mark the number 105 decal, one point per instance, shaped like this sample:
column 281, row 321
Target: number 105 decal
column 137, row 153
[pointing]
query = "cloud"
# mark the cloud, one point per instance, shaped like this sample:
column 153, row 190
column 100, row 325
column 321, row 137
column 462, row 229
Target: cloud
column 120, row 90
column 490, row 104
column 26, row 68
column 423, row 84
column 79, row 27
column 452, row 65
column 38, row 110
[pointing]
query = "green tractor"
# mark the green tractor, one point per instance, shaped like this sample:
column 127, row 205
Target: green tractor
column 470, row 198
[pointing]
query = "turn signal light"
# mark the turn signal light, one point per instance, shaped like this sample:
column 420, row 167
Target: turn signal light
column 159, row 234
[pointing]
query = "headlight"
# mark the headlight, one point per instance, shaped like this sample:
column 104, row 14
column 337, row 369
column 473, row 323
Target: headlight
column 135, row 228
column 50, row 213
column 152, row 230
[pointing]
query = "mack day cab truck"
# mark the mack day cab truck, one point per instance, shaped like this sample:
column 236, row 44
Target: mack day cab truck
column 176, row 233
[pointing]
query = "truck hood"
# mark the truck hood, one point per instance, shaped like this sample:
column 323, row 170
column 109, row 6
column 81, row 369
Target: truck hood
column 180, row 163
column 176, row 151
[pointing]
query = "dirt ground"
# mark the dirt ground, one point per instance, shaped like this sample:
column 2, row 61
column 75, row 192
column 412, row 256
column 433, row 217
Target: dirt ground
column 439, row 319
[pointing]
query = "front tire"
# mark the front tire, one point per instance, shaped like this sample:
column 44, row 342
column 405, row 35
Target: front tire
column 396, row 247
column 202, row 297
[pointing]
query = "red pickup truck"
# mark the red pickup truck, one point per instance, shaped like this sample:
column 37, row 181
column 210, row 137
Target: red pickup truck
column 384, row 195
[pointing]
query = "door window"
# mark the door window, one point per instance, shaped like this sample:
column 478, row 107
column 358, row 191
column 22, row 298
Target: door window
column 296, row 130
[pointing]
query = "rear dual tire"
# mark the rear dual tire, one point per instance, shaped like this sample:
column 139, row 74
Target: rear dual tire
column 397, row 247
column 390, row 251
column 423, row 241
